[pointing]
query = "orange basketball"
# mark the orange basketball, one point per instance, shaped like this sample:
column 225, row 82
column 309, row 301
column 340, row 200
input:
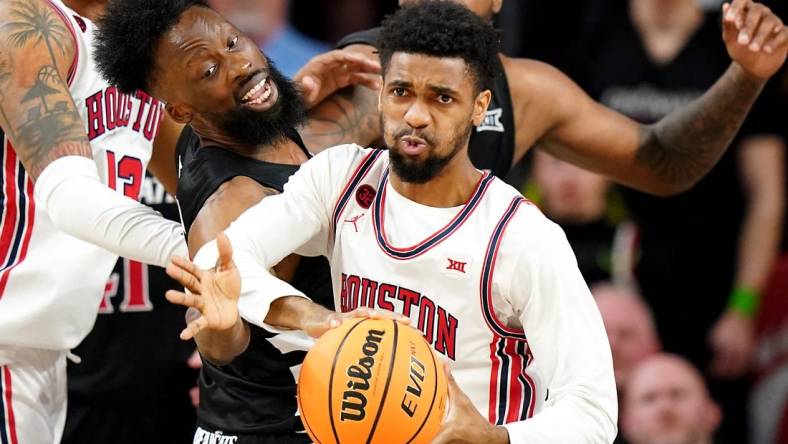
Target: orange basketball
column 372, row 381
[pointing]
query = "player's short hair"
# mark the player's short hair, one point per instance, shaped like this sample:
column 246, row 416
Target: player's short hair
column 127, row 36
column 442, row 29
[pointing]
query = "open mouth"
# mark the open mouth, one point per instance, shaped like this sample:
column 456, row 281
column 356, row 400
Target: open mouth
column 258, row 93
column 412, row 145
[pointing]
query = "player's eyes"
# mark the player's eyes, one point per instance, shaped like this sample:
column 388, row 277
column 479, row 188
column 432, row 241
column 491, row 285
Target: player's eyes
column 399, row 92
column 209, row 72
column 233, row 42
column 445, row 99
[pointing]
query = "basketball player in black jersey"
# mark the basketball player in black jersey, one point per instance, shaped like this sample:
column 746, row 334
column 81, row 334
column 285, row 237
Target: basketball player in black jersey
column 239, row 147
column 534, row 104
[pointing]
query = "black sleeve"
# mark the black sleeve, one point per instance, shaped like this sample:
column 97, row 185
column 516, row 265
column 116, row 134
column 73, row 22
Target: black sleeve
column 187, row 144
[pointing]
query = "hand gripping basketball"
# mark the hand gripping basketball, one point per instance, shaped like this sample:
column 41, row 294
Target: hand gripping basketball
column 316, row 326
column 214, row 293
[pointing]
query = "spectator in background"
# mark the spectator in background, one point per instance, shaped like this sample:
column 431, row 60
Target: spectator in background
column 630, row 328
column 267, row 23
column 705, row 254
column 577, row 200
column 666, row 401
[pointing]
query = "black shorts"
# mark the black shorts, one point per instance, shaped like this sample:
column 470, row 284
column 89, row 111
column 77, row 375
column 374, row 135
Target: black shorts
column 206, row 434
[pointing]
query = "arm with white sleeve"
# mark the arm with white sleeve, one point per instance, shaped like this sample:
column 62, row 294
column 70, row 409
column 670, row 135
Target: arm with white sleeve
column 567, row 338
column 51, row 143
column 70, row 191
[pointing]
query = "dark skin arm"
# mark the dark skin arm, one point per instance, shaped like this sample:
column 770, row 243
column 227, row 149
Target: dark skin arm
column 220, row 210
column 669, row 156
column 36, row 108
column 664, row 159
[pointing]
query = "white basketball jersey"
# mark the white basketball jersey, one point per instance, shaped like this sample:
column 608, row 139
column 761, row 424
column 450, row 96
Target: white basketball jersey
column 492, row 284
column 444, row 283
column 51, row 284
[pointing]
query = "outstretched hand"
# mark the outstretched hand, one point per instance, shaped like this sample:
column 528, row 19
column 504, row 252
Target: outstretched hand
column 327, row 73
column 214, row 293
column 755, row 37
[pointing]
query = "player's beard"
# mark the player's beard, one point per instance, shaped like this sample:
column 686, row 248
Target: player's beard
column 255, row 128
column 422, row 171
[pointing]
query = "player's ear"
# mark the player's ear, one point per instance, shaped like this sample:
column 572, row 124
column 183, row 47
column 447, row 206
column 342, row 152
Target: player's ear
column 480, row 106
column 179, row 113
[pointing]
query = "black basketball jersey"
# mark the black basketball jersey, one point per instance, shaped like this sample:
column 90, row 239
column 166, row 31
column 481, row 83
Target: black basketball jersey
column 256, row 393
column 492, row 142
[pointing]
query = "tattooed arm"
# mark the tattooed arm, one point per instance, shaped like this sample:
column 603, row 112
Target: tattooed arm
column 36, row 108
column 665, row 158
column 671, row 155
column 347, row 116
column 39, row 116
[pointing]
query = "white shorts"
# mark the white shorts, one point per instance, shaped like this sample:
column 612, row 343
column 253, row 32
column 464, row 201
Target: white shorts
column 33, row 391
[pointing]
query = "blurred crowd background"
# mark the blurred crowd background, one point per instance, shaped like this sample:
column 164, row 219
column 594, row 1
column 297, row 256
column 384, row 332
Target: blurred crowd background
column 690, row 368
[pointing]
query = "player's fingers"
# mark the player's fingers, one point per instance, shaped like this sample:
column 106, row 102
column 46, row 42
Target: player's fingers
column 186, row 279
column 736, row 11
column 453, row 388
column 445, row 436
column 371, row 81
column 188, row 266
column 309, row 89
column 763, row 31
column 752, row 19
column 357, row 63
column 366, row 312
column 194, row 327
column 225, row 261
column 778, row 40
column 185, row 299
column 348, row 60
column 385, row 314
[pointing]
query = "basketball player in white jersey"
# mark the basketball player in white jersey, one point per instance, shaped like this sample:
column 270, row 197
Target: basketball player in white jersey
column 74, row 153
column 73, row 159
column 418, row 230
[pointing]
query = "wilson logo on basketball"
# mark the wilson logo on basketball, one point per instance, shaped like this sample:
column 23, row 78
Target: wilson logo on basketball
column 354, row 401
